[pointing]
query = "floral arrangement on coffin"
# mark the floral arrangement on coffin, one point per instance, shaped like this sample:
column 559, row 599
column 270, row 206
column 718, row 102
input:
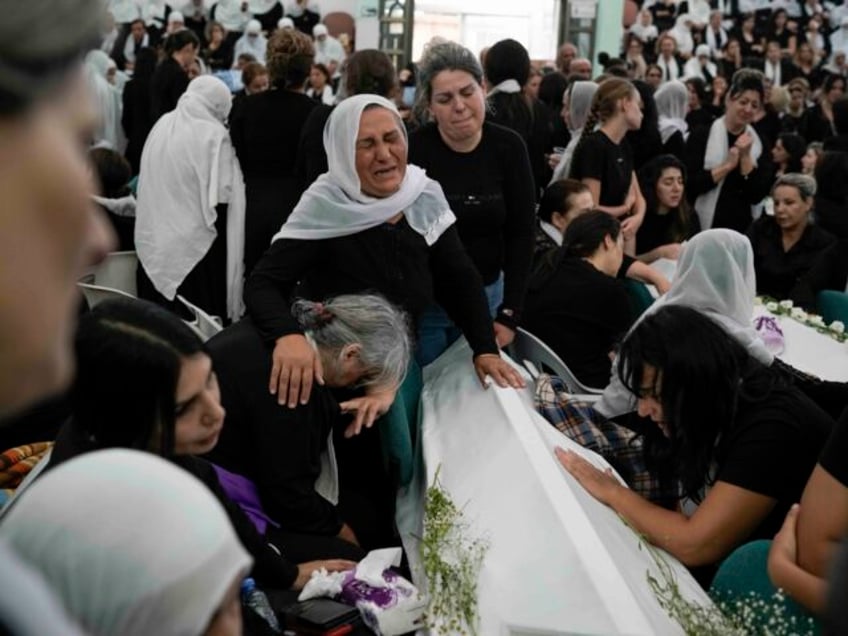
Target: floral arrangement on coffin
column 835, row 330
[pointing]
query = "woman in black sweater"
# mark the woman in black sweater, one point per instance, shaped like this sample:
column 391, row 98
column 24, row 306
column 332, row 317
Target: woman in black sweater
column 144, row 381
column 265, row 130
column 485, row 173
column 575, row 304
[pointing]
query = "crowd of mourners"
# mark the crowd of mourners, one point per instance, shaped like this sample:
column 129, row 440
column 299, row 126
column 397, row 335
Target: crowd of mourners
column 348, row 222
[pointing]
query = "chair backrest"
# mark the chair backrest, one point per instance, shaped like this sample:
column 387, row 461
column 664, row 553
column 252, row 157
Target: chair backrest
column 832, row 305
column 96, row 294
column 117, row 271
column 204, row 324
column 526, row 348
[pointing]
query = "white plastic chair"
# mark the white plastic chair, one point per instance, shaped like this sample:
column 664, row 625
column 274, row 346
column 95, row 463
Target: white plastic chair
column 117, row 271
column 536, row 356
column 204, row 324
column 96, row 294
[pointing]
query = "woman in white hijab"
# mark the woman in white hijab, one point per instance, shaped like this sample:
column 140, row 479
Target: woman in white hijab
column 576, row 104
column 103, row 79
column 186, row 244
column 370, row 222
column 672, row 99
column 715, row 275
column 93, row 528
column 252, row 43
column 682, row 33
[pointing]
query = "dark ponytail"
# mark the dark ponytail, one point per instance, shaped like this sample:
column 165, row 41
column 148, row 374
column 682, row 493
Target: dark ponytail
column 587, row 232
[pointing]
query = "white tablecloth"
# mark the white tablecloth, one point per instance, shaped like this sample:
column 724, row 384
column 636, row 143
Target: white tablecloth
column 810, row 351
column 559, row 561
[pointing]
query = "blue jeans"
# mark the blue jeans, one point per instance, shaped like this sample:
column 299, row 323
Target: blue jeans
column 436, row 332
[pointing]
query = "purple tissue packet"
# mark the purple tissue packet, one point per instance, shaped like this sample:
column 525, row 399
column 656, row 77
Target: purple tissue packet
column 354, row 590
column 771, row 333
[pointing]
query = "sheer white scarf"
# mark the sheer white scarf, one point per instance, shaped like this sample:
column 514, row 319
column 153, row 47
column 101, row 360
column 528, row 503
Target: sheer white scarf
column 672, row 99
column 336, row 206
column 715, row 155
column 715, row 275
column 580, row 97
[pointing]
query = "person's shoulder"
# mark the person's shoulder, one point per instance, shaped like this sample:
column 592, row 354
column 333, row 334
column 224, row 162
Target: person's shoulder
column 499, row 134
column 819, row 238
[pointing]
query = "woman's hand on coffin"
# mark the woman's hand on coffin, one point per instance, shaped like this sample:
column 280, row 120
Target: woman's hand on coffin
column 492, row 365
column 601, row 484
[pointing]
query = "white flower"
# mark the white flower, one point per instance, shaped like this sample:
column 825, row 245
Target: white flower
column 816, row 321
column 772, row 307
column 758, row 300
column 786, row 304
column 797, row 313
column 837, row 327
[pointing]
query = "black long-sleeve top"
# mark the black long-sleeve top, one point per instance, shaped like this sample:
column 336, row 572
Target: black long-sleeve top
column 167, row 85
column 490, row 190
column 390, row 259
column 738, row 194
column 265, row 130
column 779, row 270
column 580, row 313
column 829, row 271
column 277, row 448
column 269, row 568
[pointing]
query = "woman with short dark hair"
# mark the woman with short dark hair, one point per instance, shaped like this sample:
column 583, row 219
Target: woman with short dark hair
column 574, row 302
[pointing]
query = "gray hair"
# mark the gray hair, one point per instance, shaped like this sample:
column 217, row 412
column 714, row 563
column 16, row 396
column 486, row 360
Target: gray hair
column 444, row 56
column 371, row 321
column 58, row 33
column 804, row 183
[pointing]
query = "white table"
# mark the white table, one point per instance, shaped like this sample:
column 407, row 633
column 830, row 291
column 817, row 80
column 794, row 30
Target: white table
column 559, row 561
column 805, row 348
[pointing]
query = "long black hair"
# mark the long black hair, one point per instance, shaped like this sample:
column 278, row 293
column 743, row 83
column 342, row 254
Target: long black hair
column 701, row 372
column 508, row 59
column 649, row 175
column 796, row 147
column 129, row 355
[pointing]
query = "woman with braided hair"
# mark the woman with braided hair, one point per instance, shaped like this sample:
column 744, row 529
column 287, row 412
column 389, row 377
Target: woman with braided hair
column 265, row 129
column 604, row 161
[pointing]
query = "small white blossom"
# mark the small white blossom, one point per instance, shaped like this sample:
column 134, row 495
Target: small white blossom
column 771, row 306
column 837, row 327
column 786, row 304
column 797, row 313
column 816, row 321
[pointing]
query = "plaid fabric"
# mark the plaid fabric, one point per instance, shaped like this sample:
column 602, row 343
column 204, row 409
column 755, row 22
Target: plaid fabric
column 16, row 462
column 621, row 447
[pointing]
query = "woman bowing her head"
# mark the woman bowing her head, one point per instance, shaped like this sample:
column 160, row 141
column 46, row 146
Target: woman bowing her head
column 372, row 222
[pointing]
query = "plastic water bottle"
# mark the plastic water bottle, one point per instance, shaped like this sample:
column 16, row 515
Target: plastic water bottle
column 255, row 599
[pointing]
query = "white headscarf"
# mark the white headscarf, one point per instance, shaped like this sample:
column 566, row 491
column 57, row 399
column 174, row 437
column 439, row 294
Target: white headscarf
column 256, row 44
column 715, row 275
column 336, row 206
column 672, row 99
column 716, row 153
column 230, row 15
column 188, row 167
column 683, row 34
column 580, row 98
column 130, row 543
column 107, row 98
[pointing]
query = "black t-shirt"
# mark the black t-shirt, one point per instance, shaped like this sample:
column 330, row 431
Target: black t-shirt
column 829, row 271
column 834, row 457
column 167, row 85
column 598, row 157
column 491, row 192
column 772, row 449
column 778, row 271
column 579, row 312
